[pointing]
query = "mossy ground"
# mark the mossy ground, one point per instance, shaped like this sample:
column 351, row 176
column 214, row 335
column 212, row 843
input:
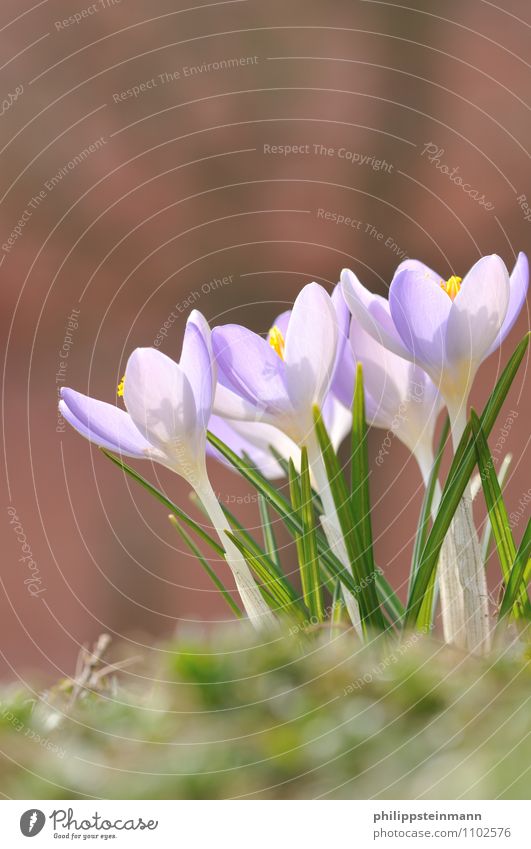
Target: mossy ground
column 222, row 716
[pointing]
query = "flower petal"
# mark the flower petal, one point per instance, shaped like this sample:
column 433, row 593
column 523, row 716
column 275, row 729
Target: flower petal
column 249, row 367
column 420, row 310
column 518, row 282
column 159, row 399
column 373, row 313
column 337, row 419
column 282, row 321
column 102, row 423
column 419, row 268
column 478, row 312
column 254, row 439
column 311, row 346
column 196, row 363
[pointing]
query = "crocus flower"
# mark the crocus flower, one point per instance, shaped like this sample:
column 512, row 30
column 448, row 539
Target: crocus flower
column 402, row 399
column 446, row 327
column 256, row 440
column 168, row 406
column 278, row 381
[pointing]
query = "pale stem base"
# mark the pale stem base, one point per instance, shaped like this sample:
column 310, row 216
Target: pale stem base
column 449, row 584
column 470, row 565
column 257, row 610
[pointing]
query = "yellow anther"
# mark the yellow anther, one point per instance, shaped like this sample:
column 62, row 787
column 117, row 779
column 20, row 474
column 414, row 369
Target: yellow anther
column 120, row 388
column 276, row 340
column 452, row 286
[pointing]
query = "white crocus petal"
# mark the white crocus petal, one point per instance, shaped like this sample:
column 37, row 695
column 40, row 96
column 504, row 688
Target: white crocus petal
column 337, row 419
column 197, row 363
column 230, row 405
column 372, row 312
column 160, row 401
column 477, row 313
column 310, row 351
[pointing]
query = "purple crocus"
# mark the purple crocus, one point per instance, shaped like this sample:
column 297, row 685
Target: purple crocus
column 446, row 327
column 278, row 381
column 168, row 406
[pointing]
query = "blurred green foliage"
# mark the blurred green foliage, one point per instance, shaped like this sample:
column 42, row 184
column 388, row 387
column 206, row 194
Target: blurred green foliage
column 223, row 716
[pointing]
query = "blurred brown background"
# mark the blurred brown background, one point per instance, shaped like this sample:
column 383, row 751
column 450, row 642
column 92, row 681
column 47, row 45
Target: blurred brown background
column 178, row 190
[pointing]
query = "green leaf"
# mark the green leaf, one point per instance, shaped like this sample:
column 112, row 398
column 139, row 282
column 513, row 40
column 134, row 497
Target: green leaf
column 519, row 575
column 280, row 504
column 427, row 501
column 274, row 586
column 215, row 546
column 267, row 530
column 362, row 568
column 206, row 566
column 493, row 498
column 499, row 519
column 312, row 587
column 458, row 478
column 360, row 496
column 425, row 618
column 487, row 533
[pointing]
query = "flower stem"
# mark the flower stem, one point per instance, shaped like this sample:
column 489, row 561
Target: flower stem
column 256, row 608
column 451, row 591
column 467, row 554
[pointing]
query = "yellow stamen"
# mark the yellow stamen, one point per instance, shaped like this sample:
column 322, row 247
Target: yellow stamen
column 276, row 340
column 120, row 388
column 452, row 286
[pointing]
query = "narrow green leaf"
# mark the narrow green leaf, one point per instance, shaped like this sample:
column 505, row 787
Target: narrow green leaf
column 337, row 608
column 215, row 546
column 519, row 574
column 268, row 534
column 313, row 595
column 487, row 533
column 426, row 613
column 270, row 581
column 280, row 504
column 364, row 573
column 458, row 478
column 360, row 495
column 206, row 566
column 493, row 499
column 498, row 517
column 427, row 501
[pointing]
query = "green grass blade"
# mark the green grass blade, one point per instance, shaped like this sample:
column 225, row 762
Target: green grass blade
column 360, row 496
column 280, row 504
column 426, row 612
column 427, row 501
column 336, row 614
column 487, row 533
column 206, row 566
column 458, row 478
column 274, row 586
column 498, row 517
column 519, row 575
column 313, row 595
column 494, row 500
column 270, row 544
column 215, row 546
column 364, row 573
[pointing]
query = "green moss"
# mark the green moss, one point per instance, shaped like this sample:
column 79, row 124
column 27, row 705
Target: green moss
column 223, row 716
